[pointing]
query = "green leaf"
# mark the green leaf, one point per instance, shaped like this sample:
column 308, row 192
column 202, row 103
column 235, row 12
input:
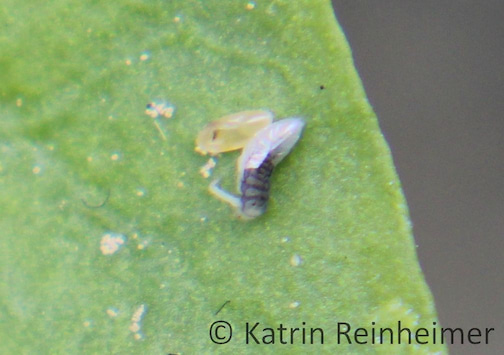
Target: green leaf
column 81, row 162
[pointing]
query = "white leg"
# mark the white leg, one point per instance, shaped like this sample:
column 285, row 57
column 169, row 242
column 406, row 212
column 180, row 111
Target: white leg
column 233, row 200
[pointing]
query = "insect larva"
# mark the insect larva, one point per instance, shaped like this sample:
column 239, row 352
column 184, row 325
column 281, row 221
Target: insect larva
column 261, row 154
column 232, row 132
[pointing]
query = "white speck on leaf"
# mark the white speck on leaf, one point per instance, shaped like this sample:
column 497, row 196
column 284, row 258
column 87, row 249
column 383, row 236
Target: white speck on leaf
column 112, row 312
column 294, row 304
column 144, row 56
column 295, row 260
column 140, row 192
column 250, row 5
column 206, row 170
column 136, row 319
column 160, row 108
column 37, row 169
column 111, row 243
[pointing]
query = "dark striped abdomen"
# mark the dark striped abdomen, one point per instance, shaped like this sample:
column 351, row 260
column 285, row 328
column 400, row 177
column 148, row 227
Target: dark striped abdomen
column 255, row 187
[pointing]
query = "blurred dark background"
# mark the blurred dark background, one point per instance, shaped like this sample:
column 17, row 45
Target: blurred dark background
column 434, row 74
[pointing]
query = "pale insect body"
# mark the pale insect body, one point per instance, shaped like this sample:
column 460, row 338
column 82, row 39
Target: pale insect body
column 232, row 132
column 261, row 154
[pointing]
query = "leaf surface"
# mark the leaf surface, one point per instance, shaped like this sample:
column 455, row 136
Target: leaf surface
column 84, row 169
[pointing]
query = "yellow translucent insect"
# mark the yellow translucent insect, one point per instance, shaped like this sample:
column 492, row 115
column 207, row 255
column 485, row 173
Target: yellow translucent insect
column 231, row 132
column 261, row 153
